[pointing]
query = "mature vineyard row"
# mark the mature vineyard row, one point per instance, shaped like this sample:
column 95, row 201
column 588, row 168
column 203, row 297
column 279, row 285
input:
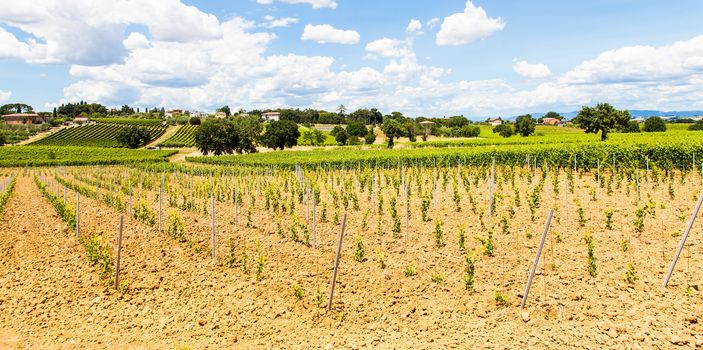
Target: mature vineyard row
column 668, row 154
column 20, row 156
column 130, row 121
column 92, row 135
column 183, row 137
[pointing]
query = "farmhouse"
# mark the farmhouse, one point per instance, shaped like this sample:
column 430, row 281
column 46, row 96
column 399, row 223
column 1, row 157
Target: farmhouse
column 24, row 118
column 551, row 121
column 220, row 115
column 495, row 121
column 271, row 116
column 172, row 113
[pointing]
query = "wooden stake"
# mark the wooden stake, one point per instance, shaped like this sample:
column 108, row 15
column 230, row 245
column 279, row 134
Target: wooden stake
column 78, row 213
column 119, row 251
column 336, row 261
column 212, row 201
column 683, row 241
column 536, row 261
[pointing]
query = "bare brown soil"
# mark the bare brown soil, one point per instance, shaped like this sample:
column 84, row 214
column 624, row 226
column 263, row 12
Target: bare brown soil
column 178, row 297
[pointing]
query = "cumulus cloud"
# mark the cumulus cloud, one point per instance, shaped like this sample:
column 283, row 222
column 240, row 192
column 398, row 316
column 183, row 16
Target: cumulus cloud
column 272, row 22
column 327, row 34
column 414, row 27
column 466, row 27
column 641, row 64
column 316, row 4
column 531, row 70
column 5, row 96
column 433, row 22
column 92, row 33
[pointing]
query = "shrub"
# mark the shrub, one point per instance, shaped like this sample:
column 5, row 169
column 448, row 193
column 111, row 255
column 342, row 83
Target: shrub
column 439, row 233
column 654, row 124
column 410, row 271
column 592, row 261
column 359, row 253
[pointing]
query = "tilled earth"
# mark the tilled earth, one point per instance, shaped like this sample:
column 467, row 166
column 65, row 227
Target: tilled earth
column 177, row 297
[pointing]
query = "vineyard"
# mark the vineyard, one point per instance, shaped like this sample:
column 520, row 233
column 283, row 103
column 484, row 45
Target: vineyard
column 130, row 121
column 16, row 133
column 425, row 248
column 91, row 135
column 183, row 137
column 22, row 156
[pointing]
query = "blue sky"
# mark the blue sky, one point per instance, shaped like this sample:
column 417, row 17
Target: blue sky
column 475, row 58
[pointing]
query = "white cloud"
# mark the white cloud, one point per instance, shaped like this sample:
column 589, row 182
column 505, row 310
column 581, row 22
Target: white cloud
column 386, row 47
column 272, row 22
column 433, row 22
column 92, row 33
column 641, row 64
column 531, row 70
column 136, row 41
column 466, row 27
column 5, row 96
column 326, row 34
column 316, row 4
column 414, row 27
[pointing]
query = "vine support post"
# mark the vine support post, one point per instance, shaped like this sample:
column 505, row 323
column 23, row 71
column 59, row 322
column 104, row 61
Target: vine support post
column 78, row 214
column 533, row 268
column 119, row 251
column 336, row 261
column 212, row 236
column 683, row 241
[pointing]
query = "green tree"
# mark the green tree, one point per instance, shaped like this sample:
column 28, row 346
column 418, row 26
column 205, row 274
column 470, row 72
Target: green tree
column 194, row 121
column 370, row 137
column 525, row 125
column 15, row 108
column 631, row 127
column 2, row 139
column 341, row 137
column 601, row 118
column 280, row 134
column 505, row 130
column 696, row 127
column 133, row 136
column 392, row 129
column 225, row 109
column 654, row 124
column 357, row 129
column 220, row 136
column 313, row 137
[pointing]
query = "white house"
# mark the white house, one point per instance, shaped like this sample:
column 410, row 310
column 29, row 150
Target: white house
column 271, row 116
column 495, row 121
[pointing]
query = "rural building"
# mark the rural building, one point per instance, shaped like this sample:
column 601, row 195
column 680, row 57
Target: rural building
column 220, row 115
column 172, row 113
column 271, row 116
column 551, row 121
column 81, row 120
column 495, row 121
column 199, row 114
column 24, row 118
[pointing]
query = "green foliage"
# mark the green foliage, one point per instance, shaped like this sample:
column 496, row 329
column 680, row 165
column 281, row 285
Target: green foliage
column 487, row 244
column 582, row 217
column 98, row 253
column 133, row 136
column 630, row 274
column 380, row 259
column 5, row 196
column 410, row 270
column 298, row 292
column 592, row 261
column 220, row 136
column 425, row 206
column 609, row 219
column 505, row 130
column 183, row 137
column 359, row 252
column 144, row 214
column 392, row 129
column 470, row 270
column 438, row 278
column 525, row 125
column 654, row 124
column 601, row 118
column 67, row 156
column 439, row 233
column 176, row 229
column 102, row 135
column 280, row 134
column 319, row 298
column 462, row 237
column 260, row 264
column 501, row 298
column 313, row 137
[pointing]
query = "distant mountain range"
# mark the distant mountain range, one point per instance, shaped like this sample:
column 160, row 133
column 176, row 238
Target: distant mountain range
column 636, row 113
